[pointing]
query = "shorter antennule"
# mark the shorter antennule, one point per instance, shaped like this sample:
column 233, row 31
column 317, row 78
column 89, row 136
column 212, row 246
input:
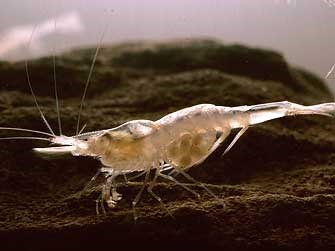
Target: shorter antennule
column 69, row 145
column 54, row 152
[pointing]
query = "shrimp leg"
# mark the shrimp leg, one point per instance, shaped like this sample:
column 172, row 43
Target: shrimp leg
column 190, row 178
column 153, row 194
column 112, row 195
column 125, row 179
column 105, row 194
column 136, row 176
column 97, row 202
column 238, row 135
column 108, row 192
column 90, row 182
column 139, row 194
column 170, row 178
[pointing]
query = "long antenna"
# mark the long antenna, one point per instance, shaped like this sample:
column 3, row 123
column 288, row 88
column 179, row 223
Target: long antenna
column 89, row 78
column 55, row 79
column 25, row 130
column 31, row 88
column 35, row 138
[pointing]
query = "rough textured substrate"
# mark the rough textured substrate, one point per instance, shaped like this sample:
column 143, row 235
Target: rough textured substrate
column 277, row 182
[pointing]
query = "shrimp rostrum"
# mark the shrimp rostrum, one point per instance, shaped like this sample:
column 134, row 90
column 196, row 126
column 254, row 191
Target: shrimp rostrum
column 176, row 142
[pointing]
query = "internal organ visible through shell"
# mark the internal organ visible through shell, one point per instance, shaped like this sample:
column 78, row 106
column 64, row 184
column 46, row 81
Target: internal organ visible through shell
column 190, row 147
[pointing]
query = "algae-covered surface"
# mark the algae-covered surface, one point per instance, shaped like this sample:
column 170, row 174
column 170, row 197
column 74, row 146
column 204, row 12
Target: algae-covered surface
column 277, row 182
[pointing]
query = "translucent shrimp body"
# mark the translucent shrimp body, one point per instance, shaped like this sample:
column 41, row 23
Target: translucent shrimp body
column 182, row 138
column 177, row 141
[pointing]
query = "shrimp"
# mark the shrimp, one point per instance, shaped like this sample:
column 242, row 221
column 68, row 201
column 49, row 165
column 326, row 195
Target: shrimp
column 178, row 141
